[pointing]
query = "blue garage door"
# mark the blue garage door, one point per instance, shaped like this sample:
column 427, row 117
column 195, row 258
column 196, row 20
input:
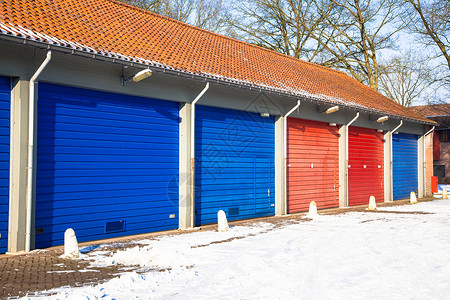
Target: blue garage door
column 107, row 165
column 405, row 172
column 235, row 152
column 5, row 100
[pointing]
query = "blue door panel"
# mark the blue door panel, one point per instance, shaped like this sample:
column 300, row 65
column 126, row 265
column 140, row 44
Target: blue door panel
column 5, row 104
column 235, row 154
column 405, row 170
column 104, row 158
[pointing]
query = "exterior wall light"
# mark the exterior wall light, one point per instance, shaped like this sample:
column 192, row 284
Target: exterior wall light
column 332, row 124
column 265, row 115
column 141, row 75
column 382, row 119
column 327, row 111
column 332, row 110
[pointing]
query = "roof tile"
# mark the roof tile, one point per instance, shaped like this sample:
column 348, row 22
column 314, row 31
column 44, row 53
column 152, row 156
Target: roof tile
column 110, row 26
column 434, row 110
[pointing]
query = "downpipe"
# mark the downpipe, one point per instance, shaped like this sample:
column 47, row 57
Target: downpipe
column 285, row 152
column 193, row 152
column 346, row 154
column 31, row 130
column 392, row 160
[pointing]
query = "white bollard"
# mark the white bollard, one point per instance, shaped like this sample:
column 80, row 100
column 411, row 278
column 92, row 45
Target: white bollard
column 444, row 194
column 372, row 203
column 71, row 244
column 412, row 198
column 312, row 209
column 222, row 221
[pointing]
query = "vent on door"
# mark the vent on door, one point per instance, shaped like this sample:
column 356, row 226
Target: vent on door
column 115, row 226
column 234, row 211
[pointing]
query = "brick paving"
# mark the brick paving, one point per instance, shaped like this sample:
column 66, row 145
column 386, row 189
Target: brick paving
column 42, row 270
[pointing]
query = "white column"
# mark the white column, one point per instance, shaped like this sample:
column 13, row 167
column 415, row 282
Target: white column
column 280, row 182
column 421, row 166
column 18, row 164
column 388, row 179
column 343, row 167
column 185, row 197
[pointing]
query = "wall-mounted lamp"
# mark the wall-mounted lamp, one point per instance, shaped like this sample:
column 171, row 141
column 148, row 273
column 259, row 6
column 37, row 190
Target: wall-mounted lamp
column 380, row 130
column 265, row 115
column 328, row 110
column 141, row 75
column 332, row 124
column 332, row 110
column 382, row 119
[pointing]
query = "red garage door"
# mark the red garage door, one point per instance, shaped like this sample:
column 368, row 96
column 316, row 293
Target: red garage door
column 313, row 165
column 365, row 174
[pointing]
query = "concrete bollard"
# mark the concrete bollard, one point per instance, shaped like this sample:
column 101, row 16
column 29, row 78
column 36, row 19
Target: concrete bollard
column 372, row 203
column 222, row 221
column 71, row 244
column 312, row 209
column 444, row 194
column 412, row 198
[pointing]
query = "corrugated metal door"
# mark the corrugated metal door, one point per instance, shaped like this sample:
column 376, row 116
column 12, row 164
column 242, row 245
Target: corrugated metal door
column 235, row 172
column 312, row 165
column 365, row 174
column 5, row 104
column 107, row 164
column 405, row 159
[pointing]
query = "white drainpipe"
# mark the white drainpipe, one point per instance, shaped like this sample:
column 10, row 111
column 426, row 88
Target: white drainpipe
column 396, row 128
column 31, row 112
column 347, row 151
column 429, row 131
column 392, row 159
column 285, row 152
column 346, row 136
column 193, row 150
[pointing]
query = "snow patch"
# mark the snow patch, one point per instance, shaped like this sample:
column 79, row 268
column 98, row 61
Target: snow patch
column 325, row 259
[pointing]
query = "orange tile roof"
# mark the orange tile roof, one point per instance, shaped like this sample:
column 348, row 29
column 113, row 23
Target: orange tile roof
column 114, row 29
column 434, row 110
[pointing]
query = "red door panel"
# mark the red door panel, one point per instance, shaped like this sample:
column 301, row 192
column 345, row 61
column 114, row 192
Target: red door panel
column 312, row 165
column 365, row 173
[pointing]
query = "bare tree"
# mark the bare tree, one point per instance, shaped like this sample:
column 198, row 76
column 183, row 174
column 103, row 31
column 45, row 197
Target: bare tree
column 212, row 15
column 406, row 79
column 144, row 4
column 431, row 21
column 207, row 14
column 279, row 25
column 355, row 33
column 342, row 34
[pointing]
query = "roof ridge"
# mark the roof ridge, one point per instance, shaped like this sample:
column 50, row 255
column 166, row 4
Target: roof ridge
column 227, row 37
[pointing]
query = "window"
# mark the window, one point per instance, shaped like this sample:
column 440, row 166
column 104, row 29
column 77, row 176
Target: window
column 444, row 135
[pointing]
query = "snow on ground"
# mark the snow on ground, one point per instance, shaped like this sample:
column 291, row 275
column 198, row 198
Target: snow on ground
column 443, row 186
column 398, row 252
